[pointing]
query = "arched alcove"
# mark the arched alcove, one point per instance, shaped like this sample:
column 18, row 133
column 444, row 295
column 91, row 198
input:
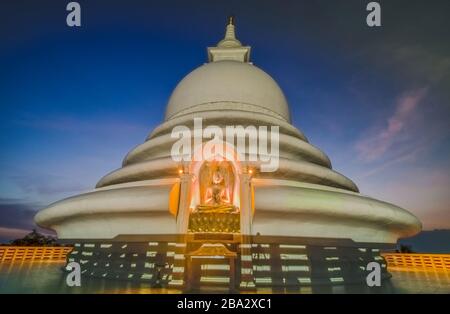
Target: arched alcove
column 215, row 193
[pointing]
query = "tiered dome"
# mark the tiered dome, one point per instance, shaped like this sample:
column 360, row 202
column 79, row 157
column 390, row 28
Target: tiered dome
column 304, row 197
column 229, row 90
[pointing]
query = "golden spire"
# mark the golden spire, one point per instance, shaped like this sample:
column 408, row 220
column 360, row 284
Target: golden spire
column 230, row 37
column 229, row 48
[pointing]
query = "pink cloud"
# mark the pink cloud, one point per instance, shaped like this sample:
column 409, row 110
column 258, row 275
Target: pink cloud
column 423, row 192
column 378, row 142
column 13, row 233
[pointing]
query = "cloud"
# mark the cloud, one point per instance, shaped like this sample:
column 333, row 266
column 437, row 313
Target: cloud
column 419, row 62
column 375, row 144
column 7, row 234
column 17, row 213
column 402, row 158
column 17, row 219
column 47, row 184
column 424, row 192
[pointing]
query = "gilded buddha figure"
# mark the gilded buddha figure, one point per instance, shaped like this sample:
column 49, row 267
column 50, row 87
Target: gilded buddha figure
column 217, row 182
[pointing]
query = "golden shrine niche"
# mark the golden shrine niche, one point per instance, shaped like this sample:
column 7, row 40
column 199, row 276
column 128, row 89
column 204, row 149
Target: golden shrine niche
column 216, row 211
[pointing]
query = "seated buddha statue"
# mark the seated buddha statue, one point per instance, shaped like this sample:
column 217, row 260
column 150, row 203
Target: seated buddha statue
column 217, row 198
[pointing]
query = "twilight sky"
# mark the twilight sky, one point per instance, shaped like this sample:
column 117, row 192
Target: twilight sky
column 74, row 101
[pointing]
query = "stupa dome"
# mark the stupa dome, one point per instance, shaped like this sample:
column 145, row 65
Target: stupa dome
column 207, row 87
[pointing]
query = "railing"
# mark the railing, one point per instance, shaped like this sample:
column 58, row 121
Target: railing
column 42, row 253
column 33, row 253
column 425, row 261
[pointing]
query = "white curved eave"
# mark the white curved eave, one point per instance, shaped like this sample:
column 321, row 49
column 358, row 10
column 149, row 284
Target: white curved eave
column 329, row 212
column 282, row 208
column 160, row 146
column 147, row 196
column 300, row 170
column 224, row 116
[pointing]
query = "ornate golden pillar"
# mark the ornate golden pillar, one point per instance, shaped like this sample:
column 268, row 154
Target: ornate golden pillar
column 246, row 204
column 246, row 279
column 182, row 217
column 183, row 207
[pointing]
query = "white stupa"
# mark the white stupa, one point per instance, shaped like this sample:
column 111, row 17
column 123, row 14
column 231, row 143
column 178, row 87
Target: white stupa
column 152, row 195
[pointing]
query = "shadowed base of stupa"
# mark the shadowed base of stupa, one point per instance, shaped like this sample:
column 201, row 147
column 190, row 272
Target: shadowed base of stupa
column 230, row 262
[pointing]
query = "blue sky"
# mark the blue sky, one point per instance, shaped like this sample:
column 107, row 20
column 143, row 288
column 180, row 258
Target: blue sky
column 74, row 101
